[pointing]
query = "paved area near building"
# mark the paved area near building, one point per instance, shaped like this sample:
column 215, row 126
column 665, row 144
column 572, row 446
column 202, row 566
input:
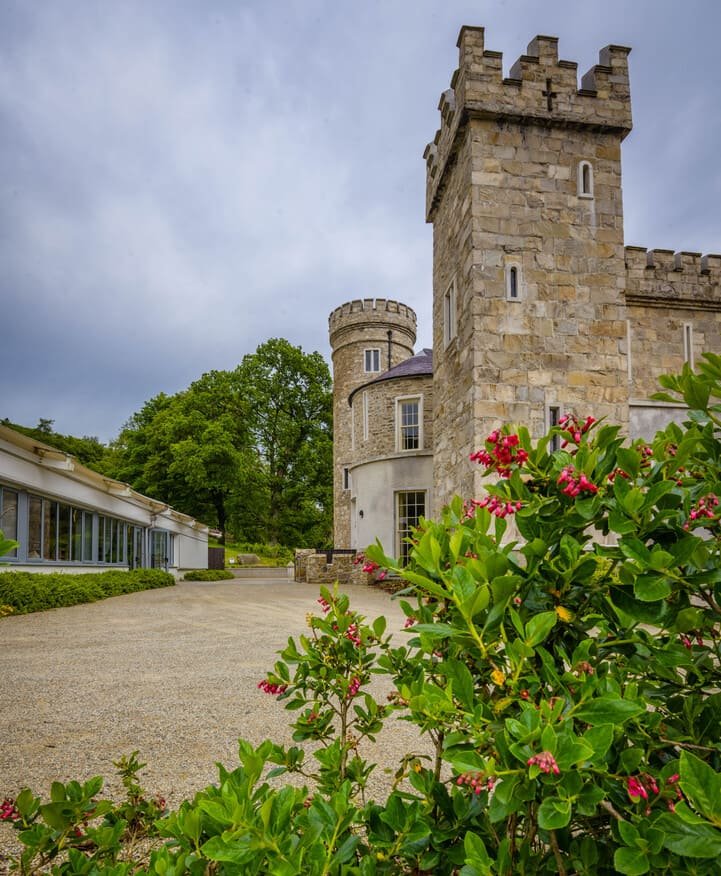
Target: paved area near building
column 170, row 672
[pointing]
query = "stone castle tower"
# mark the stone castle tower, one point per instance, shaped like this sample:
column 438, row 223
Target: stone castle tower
column 367, row 337
column 524, row 193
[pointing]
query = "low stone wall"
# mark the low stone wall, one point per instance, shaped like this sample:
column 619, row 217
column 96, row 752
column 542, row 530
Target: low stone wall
column 320, row 571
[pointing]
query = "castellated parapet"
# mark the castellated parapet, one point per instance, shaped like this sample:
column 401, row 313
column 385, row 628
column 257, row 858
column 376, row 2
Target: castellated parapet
column 663, row 278
column 674, row 314
column 367, row 324
column 541, row 89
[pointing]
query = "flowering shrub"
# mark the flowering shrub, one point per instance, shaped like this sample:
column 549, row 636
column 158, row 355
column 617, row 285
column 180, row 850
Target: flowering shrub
column 569, row 682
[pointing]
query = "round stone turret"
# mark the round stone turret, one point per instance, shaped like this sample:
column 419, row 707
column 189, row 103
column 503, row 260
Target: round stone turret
column 367, row 337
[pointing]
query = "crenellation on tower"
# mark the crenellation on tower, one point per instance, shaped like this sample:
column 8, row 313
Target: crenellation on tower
column 541, row 89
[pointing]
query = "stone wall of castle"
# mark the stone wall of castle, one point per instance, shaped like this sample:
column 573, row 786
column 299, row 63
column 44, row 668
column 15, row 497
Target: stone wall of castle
column 381, row 399
column 504, row 193
column 674, row 312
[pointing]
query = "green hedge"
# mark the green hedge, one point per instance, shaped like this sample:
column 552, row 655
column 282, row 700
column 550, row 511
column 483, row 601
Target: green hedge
column 208, row 575
column 26, row 592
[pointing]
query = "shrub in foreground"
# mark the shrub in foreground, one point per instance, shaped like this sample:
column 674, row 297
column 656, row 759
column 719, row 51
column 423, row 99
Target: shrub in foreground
column 26, row 592
column 568, row 683
column 208, row 575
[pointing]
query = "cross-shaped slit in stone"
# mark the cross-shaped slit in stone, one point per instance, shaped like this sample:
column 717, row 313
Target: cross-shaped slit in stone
column 549, row 95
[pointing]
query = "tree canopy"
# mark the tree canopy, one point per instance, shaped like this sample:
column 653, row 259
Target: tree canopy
column 248, row 450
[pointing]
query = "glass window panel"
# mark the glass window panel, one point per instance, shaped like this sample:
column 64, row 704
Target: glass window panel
column 87, row 537
column 410, row 425
column 9, row 516
column 76, row 536
column 410, row 507
column 35, row 529
column 50, row 529
column 63, row 539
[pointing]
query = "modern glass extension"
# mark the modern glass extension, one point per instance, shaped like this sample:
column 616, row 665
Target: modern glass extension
column 49, row 531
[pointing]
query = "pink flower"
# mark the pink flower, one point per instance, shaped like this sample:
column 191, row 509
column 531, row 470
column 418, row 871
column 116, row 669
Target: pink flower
column 546, row 762
column 636, row 790
column 324, row 605
column 353, row 687
column 271, row 688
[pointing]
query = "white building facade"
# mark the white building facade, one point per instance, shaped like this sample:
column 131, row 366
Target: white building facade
column 65, row 516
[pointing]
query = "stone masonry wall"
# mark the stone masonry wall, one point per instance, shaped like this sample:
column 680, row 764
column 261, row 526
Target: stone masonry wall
column 382, row 426
column 664, row 292
column 507, row 156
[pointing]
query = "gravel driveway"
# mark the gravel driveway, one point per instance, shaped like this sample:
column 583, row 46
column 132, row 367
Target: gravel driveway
column 171, row 672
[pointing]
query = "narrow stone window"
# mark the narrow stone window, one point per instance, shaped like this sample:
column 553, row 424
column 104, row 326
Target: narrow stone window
column 346, row 478
column 553, row 418
column 449, row 314
column 688, row 343
column 409, row 416
column 513, row 282
column 372, row 360
column 365, row 416
column 410, row 507
column 585, row 179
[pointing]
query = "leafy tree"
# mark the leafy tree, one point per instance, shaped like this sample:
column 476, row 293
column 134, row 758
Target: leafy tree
column 248, row 450
column 192, row 450
column 290, row 399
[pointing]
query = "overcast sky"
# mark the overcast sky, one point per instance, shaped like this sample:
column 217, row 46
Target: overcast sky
column 180, row 181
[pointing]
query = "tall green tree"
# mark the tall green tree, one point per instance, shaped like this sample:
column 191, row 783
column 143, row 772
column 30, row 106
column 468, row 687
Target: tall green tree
column 290, row 395
column 249, row 450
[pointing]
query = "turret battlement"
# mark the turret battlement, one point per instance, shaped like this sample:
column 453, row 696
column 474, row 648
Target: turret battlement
column 372, row 311
column 541, row 89
column 659, row 277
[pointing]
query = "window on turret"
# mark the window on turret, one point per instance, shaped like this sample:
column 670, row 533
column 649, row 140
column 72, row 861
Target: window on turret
column 688, row 343
column 409, row 425
column 585, row 179
column 372, row 360
column 449, row 314
column 513, row 283
column 346, row 478
column 365, row 416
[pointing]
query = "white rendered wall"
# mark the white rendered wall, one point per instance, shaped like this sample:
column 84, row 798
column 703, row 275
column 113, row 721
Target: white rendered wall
column 373, row 488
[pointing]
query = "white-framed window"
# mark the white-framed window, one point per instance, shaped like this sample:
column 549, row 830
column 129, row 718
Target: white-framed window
column 410, row 507
column 514, row 289
column 450, row 309
column 688, row 343
column 409, row 423
column 352, row 425
column 585, row 179
column 346, row 478
column 372, row 360
column 553, row 418
column 365, row 416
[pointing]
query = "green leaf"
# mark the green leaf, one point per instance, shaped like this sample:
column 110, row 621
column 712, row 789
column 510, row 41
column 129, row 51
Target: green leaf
column 702, row 786
column 651, row 588
column 554, row 813
column 600, row 739
column 631, row 862
column 539, row 626
column 636, row 550
column 688, row 835
column 605, row 709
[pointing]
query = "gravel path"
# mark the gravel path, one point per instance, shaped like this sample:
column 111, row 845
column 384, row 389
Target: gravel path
column 171, row 672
